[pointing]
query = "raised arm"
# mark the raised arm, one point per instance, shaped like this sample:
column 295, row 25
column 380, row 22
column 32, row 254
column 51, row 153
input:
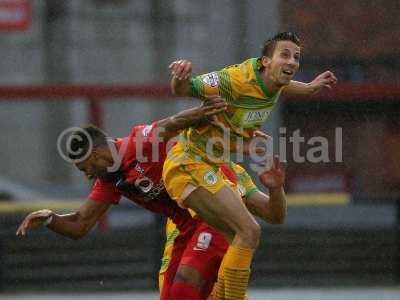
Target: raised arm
column 184, row 119
column 324, row 80
column 74, row 225
column 272, row 208
column 181, row 71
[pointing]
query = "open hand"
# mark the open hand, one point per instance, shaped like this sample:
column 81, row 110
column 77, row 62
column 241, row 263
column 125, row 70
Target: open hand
column 181, row 69
column 275, row 176
column 34, row 220
column 324, row 80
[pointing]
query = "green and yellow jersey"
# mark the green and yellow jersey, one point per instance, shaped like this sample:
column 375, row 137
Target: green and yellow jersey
column 249, row 103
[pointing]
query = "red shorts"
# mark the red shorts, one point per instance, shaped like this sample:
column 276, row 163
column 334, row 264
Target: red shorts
column 203, row 249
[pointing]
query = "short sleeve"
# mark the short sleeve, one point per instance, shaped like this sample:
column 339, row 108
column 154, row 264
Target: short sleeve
column 244, row 180
column 148, row 133
column 105, row 192
column 249, row 185
column 149, row 137
column 225, row 83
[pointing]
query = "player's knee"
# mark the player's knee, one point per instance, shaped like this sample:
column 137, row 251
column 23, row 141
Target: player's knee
column 184, row 291
column 250, row 233
column 255, row 232
column 185, row 287
column 190, row 276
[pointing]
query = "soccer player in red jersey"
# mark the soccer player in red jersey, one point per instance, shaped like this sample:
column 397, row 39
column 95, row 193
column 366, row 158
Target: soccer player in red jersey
column 121, row 168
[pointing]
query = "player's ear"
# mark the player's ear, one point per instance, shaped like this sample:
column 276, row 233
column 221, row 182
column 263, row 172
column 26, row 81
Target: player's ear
column 265, row 61
column 100, row 152
column 95, row 153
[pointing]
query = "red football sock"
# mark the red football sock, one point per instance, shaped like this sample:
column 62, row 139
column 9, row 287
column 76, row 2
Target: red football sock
column 183, row 291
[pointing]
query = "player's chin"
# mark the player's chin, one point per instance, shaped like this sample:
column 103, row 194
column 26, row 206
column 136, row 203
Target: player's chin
column 284, row 80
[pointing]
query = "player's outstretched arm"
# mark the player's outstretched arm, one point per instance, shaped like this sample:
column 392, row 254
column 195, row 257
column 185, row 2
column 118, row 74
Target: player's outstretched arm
column 324, row 80
column 181, row 71
column 73, row 225
column 270, row 208
column 190, row 117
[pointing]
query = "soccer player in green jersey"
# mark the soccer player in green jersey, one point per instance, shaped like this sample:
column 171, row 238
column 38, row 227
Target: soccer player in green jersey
column 190, row 174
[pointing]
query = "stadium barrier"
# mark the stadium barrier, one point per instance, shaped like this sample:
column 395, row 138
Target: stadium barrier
column 128, row 258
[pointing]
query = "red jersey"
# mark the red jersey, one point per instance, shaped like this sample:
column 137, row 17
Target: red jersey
column 139, row 177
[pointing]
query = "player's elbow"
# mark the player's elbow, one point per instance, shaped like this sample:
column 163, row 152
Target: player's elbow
column 281, row 220
column 81, row 232
column 272, row 217
column 277, row 220
column 79, row 235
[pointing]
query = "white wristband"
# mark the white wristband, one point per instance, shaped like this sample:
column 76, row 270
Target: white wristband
column 48, row 221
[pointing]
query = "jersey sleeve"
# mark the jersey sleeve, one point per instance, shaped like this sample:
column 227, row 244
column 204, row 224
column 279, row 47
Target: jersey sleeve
column 105, row 192
column 148, row 133
column 145, row 131
column 249, row 185
column 244, row 180
column 225, row 83
column 149, row 137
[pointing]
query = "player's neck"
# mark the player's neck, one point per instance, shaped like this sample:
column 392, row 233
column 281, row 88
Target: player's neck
column 272, row 87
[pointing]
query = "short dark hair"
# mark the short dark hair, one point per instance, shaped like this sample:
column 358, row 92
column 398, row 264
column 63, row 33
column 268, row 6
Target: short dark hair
column 83, row 139
column 269, row 45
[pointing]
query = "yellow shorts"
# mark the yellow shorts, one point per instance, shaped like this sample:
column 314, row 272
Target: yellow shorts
column 171, row 233
column 183, row 170
column 160, row 282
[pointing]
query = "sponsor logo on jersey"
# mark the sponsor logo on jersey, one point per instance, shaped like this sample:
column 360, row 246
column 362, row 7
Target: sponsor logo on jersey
column 211, row 79
column 156, row 190
column 210, row 178
column 144, row 184
column 256, row 116
column 203, row 241
column 148, row 187
column 138, row 168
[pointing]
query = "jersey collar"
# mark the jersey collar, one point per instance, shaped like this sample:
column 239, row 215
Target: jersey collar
column 260, row 81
